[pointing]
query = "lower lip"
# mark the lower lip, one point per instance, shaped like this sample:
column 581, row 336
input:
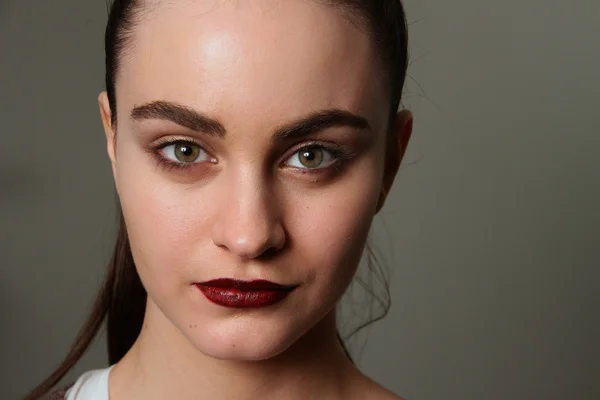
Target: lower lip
column 236, row 298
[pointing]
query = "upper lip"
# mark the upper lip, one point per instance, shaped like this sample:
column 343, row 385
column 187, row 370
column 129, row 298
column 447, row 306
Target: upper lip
column 226, row 283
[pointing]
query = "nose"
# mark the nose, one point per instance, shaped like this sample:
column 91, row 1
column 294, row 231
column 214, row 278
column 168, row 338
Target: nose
column 248, row 223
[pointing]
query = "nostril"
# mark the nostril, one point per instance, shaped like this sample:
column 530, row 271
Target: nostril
column 270, row 253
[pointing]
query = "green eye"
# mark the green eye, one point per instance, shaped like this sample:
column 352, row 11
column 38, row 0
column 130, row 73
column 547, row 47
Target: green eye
column 311, row 158
column 185, row 153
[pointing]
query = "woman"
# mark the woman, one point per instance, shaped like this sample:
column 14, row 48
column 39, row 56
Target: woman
column 252, row 143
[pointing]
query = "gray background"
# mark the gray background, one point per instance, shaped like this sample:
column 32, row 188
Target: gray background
column 494, row 221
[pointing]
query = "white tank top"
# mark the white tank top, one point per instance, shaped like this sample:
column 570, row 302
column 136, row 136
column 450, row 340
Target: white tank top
column 92, row 385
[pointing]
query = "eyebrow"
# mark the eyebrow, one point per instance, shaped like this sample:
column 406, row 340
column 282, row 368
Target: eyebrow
column 193, row 120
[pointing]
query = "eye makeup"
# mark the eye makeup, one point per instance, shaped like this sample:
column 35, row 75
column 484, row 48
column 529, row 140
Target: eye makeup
column 337, row 156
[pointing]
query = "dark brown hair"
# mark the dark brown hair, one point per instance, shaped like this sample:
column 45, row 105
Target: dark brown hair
column 121, row 301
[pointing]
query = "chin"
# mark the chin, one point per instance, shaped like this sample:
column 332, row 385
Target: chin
column 244, row 335
column 242, row 342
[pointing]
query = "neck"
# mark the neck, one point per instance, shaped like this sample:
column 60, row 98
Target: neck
column 163, row 364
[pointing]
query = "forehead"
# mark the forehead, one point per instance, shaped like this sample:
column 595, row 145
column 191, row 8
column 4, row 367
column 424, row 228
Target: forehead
column 258, row 60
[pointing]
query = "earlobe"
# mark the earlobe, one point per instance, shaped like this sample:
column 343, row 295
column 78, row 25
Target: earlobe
column 396, row 148
column 106, row 115
column 404, row 130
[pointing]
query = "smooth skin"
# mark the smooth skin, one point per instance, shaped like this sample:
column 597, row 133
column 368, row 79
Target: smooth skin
column 248, row 199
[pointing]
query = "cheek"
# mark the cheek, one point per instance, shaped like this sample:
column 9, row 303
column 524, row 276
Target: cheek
column 160, row 222
column 331, row 227
column 336, row 230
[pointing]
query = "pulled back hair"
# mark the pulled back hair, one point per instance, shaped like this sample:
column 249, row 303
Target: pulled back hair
column 121, row 302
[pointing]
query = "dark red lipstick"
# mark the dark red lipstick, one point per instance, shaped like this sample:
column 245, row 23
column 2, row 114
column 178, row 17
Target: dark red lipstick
column 244, row 294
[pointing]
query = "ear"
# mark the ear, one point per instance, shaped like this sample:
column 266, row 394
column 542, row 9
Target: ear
column 396, row 147
column 106, row 115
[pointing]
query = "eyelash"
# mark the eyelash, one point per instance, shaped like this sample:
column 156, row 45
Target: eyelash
column 340, row 155
column 169, row 165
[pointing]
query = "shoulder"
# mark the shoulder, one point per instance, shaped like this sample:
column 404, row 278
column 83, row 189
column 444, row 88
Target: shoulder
column 92, row 385
column 368, row 389
column 381, row 393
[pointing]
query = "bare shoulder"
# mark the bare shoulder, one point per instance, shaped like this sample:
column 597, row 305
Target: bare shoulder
column 367, row 389
column 380, row 393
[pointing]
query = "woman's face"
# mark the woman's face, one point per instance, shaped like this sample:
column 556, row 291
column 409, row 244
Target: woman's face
column 250, row 146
